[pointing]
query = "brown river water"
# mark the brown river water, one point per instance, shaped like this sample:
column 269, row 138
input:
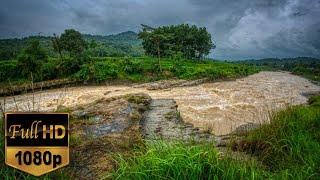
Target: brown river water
column 220, row 107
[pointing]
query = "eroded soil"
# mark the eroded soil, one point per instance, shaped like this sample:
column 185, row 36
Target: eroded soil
column 101, row 129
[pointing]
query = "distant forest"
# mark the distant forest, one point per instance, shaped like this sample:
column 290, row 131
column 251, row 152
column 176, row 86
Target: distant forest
column 122, row 44
column 306, row 66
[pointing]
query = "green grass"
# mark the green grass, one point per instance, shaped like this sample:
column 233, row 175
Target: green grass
column 291, row 142
column 145, row 69
column 179, row 160
column 314, row 100
column 139, row 69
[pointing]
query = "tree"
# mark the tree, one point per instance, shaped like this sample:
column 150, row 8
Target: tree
column 154, row 42
column 31, row 58
column 191, row 41
column 56, row 43
column 72, row 42
column 93, row 44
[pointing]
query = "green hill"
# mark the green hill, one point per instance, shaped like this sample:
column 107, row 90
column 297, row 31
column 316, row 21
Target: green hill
column 122, row 44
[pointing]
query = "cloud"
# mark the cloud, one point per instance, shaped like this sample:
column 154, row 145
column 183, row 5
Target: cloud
column 281, row 29
column 240, row 28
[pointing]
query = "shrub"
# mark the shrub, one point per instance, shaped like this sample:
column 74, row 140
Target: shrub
column 104, row 71
column 48, row 71
column 219, row 73
column 299, row 70
column 9, row 70
column 131, row 67
column 31, row 58
column 177, row 68
column 155, row 68
column 85, row 73
column 69, row 66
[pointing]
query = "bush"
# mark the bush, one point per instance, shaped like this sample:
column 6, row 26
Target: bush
column 31, row 58
column 99, row 72
column 69, row 66
column 49, row 71
column 177, row 68
column 241, row 70
column 85, row 73
column 104, row 71
column 155, row 68
column 214, row 73
column 8, row 70
column 131, row 67
column 299, row 70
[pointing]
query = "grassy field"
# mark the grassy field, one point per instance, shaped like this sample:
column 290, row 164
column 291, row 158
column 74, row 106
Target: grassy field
column 142, row 69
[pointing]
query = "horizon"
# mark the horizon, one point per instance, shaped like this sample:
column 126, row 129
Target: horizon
column 51, row 35
column 240, row 29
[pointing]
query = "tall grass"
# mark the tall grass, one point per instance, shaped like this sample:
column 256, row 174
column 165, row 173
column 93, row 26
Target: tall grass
column 179, row 160
column 291, row 142
column 289, row 146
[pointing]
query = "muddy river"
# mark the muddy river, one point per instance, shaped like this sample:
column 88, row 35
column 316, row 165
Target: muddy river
column 220, row 107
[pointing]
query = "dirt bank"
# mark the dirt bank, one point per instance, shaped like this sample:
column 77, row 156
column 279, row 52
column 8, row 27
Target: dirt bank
column 219, row 107
column 101, row 129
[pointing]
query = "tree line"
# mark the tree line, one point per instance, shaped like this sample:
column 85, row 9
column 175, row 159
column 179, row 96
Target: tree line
column 118, row 45
column 165, row 41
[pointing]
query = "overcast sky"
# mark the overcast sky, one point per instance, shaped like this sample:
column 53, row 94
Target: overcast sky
column 241, row 29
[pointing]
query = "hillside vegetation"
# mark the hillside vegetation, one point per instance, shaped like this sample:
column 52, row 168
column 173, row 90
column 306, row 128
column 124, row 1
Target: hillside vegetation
column 122, row 44
column 127, row 69
column 304, row 66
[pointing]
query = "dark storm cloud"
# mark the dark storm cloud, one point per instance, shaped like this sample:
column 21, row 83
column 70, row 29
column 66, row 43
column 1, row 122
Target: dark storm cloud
column 240, row 28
